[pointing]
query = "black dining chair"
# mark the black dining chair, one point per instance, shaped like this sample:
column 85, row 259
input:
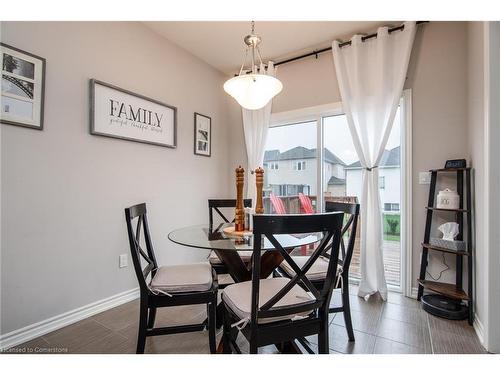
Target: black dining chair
column 179, row 285
column 216, row 205
column 317, row 274
column 278, row 310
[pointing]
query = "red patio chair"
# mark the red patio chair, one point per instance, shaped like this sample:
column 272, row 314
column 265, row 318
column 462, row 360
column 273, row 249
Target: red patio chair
column 278, row 204
column 306, row 204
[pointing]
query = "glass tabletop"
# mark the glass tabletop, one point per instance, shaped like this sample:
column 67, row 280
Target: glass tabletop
column 200, row 236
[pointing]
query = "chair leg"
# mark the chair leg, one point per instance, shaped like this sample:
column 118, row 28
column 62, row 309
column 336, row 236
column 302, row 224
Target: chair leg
column 254, row 349
column 152, row 317
column 323, row 341
column 347, row 309
column 143, row 325
column 226, row 332
column 212, row 306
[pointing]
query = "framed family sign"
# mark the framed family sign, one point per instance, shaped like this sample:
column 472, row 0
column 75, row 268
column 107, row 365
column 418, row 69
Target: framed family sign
column 23, row 85
column 119, row 113
column 202, row 135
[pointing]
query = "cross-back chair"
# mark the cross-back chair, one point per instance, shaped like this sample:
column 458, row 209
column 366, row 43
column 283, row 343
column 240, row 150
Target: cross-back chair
column 318, row 273
column 190, row 284
column 214, row 206
column 278, row 310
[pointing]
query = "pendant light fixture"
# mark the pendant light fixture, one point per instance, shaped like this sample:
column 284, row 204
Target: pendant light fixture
column 255, row 89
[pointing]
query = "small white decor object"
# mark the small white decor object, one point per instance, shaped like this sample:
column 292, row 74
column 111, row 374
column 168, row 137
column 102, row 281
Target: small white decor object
column 448, row 199
column 450, row 230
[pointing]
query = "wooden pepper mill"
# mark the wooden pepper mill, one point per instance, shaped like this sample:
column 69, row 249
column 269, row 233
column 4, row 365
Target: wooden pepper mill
column 239, row 219
column 259, row 181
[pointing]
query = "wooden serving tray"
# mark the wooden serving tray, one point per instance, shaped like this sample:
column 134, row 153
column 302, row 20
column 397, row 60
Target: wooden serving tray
column 230, row 231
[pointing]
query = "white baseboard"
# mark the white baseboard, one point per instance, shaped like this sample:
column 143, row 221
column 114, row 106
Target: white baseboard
column 414, row 293
column 35, row 330
column 479, row 328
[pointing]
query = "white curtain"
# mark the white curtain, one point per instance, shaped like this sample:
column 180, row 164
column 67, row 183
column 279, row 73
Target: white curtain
column 255, row 127
column 371, row 76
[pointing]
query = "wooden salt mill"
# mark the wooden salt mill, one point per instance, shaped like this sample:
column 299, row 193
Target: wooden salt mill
column 239, row 219
column 259, row 181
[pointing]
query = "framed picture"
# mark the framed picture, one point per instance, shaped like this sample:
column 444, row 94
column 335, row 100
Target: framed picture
column 118, row 113
column 202, row 135
column 23, row 85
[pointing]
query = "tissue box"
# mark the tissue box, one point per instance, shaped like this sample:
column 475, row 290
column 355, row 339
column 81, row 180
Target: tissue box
column 452, row 245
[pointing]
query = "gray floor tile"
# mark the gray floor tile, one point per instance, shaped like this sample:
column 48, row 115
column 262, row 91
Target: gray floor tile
column 384, row 346
column 405, row 314
column 339, row 341
column 405, row 333
column 366, row 322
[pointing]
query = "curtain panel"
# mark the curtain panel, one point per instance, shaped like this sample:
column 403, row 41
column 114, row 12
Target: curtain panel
column 371, row 75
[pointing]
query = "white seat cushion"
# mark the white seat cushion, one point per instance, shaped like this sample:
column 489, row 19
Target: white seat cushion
column 317, row 271
column 196, row 277
column 245, row 257
column 239, row 298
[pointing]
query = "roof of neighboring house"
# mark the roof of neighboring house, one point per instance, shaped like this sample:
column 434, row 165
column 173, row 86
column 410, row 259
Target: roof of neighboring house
column 300, row 152
column 390, row 158
column 336, row 181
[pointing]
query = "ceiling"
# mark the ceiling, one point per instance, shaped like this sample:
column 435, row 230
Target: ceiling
column 220, row 44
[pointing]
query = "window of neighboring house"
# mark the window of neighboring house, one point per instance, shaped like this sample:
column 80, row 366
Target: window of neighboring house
column 391, row 206
column 299, row 166
column 273, row 165
column 381, row 182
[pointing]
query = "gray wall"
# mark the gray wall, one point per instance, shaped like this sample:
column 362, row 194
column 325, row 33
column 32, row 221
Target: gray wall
column 64, row 190
column 438, row 78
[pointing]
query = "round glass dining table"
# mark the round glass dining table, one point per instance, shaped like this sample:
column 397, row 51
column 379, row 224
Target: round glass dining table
column 227, row 247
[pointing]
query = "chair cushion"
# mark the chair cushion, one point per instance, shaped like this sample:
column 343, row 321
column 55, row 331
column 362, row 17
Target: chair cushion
column 196, row 277
column 245, row 257
column 239, row 298
column 317, row 271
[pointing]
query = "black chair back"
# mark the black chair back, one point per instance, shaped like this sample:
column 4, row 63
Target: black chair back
column 134, row 235
column 217, row 204
column 269, row 225
column 351, row 226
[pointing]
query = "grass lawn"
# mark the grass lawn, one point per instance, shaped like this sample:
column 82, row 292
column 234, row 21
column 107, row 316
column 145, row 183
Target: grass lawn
column 391, row 234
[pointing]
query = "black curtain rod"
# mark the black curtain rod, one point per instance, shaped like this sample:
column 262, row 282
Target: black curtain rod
column 348, row 43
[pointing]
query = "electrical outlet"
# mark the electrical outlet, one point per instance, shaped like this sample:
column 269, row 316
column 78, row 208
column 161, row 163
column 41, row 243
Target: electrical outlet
column 122, row 261
column 424, row 178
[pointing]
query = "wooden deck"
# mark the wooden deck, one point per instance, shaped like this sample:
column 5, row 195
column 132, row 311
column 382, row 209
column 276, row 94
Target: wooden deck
column 392, row 262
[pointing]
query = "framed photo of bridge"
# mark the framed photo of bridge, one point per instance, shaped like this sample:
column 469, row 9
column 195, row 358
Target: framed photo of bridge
column 22, row 88
column 119, row 113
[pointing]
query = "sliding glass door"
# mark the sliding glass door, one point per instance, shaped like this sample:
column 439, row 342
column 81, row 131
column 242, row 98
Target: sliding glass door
column 304, row 179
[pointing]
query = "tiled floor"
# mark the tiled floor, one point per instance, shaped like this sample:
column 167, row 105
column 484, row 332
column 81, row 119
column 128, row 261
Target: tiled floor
column 396, row 326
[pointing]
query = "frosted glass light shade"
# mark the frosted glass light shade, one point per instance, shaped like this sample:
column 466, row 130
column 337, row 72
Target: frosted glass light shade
column 253, row 91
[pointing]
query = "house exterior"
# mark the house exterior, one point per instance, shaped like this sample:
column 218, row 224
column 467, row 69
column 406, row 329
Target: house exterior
column 294, row 171
column 389, row 179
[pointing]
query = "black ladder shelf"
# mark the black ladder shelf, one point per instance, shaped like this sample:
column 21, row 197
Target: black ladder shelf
column 451, row 301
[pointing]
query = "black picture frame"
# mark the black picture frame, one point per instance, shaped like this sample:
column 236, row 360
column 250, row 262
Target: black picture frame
column 42, row 91
column 198, row 142
column 92, row 84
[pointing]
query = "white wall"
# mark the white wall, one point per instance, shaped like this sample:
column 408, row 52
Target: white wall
column 476, row 147
column 64, row 190
column 493, row 148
